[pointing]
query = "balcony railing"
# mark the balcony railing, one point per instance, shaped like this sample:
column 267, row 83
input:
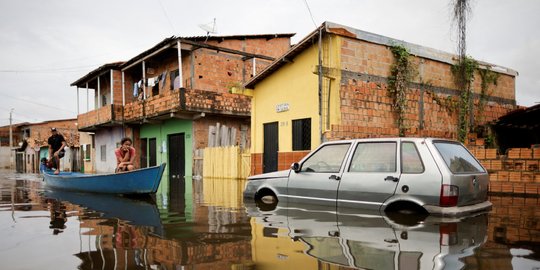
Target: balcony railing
column 108, row 115
column 186, row 103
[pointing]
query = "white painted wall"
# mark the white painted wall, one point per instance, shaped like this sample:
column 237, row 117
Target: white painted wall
column 5, row 161
column 108, row 137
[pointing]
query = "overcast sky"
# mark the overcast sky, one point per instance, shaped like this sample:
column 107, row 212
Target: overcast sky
column 47, row 45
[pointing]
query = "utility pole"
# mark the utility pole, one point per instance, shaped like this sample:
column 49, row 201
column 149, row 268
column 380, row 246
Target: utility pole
column 10, row 139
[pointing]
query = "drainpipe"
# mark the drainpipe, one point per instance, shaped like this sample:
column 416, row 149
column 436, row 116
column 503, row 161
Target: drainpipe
column 320, row 86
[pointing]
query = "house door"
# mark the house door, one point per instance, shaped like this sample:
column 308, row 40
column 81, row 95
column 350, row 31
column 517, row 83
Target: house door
column 177, row 158
column 270, row 155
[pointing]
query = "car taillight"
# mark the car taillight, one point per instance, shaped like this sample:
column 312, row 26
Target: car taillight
column 449, row 195
column 448, row 234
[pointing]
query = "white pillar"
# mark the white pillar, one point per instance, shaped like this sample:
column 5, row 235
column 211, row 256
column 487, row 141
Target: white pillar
column 180, row 76
column 123, row 90
column 112, row 87
column 98, row 93
column 77, row 100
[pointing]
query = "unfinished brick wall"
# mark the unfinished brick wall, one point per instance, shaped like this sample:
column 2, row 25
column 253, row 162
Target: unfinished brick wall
column 273, row 47
column 515, row 172
column 40, row 132
column 514, row 220
column 366, row 108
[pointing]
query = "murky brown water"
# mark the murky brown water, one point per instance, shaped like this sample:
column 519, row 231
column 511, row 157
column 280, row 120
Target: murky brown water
column 210, row 227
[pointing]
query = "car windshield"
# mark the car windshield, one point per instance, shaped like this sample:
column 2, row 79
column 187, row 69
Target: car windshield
column 327, row 159
column 457, row 158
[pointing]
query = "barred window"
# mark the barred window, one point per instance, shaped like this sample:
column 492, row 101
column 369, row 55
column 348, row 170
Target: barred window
column 301, row 129
column 103, row 149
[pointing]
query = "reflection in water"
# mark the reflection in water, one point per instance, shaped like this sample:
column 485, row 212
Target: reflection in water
column 366, row 240
column 208, row 227
column 58, row 216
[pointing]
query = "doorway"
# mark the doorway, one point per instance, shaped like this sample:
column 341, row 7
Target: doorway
column 271, row 145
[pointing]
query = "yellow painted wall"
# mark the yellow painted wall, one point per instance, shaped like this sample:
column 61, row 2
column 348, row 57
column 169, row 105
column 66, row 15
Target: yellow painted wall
column 296, row 84
column 279, row 252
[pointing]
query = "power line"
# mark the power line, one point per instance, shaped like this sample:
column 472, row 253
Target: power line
column 45, row 70
column 310, row 14
column 166, row 16
column 36, row 103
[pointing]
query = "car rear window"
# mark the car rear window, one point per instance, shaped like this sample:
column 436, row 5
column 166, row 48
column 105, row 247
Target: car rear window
column 457, row 158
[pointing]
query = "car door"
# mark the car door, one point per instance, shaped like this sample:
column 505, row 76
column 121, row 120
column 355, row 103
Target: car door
column 318, row 178
column 371, row 176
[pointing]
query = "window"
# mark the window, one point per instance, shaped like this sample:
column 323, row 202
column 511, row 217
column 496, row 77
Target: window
column 103, row 150
column 457, row 158
column 374, row 157
column 301, row 130
column 87, row 151
column 410, row 159
column 327, row 159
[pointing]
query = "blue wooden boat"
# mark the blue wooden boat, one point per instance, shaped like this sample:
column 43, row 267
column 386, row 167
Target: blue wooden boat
column 141, row 181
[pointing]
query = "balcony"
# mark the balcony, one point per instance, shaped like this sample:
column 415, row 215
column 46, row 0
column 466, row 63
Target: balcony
column 187, row 104
column 106, row 116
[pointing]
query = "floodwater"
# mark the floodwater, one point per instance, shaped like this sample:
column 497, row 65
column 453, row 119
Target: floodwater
column 208, row 226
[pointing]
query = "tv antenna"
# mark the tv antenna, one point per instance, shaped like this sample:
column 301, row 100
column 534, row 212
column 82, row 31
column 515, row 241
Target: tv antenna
column 210, row 28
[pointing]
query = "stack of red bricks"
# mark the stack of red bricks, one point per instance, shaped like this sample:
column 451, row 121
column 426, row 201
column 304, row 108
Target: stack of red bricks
column 516, row 172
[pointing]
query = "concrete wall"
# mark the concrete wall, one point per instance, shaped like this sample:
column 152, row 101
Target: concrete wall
column 109, row 138
column 5, row 158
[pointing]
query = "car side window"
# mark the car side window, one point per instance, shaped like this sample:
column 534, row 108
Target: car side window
column 410, row 159
column 327, row 159
column 374, row 157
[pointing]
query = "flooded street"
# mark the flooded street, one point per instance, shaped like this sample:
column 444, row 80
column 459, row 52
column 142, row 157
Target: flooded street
column 206, row 225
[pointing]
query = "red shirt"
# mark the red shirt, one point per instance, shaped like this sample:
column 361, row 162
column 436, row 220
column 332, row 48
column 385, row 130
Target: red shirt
column 121, row 154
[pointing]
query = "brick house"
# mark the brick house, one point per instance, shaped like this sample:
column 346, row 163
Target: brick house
column 6, row 151
column 34, row 146
column 308, row 95
column 168, row 111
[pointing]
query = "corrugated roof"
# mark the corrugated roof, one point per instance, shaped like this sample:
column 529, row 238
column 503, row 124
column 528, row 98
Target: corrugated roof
column 96, row 72
column 168, row 41
column 267, row 36
column 342, row 30
column 165, row 42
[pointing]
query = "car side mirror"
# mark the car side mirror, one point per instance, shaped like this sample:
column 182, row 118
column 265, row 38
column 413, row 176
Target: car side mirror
column 295, row 167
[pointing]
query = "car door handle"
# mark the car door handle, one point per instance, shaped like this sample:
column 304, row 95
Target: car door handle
column 334, row 177
column 391, row 178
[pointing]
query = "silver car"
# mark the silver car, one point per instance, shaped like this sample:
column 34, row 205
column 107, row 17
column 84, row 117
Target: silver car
column 430, row 175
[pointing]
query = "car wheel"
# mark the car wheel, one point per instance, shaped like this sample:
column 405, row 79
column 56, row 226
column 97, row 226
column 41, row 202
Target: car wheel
column 267, row 202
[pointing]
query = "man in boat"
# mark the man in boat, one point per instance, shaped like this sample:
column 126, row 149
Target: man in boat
column 125, row 156
column 56, row 149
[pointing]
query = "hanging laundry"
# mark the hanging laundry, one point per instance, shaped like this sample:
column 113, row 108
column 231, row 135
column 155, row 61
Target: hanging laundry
column 162, row 80
column 150, row 82
column 177, row 82
column 135, row 89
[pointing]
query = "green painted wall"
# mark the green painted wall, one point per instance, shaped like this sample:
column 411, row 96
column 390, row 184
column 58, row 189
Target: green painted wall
column 160, row 132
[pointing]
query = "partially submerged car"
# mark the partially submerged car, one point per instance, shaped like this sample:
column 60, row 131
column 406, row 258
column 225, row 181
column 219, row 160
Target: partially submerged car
column 422, row 174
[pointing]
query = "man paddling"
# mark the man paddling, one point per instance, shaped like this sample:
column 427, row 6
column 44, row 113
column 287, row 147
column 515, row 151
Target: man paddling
column 56, row 149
